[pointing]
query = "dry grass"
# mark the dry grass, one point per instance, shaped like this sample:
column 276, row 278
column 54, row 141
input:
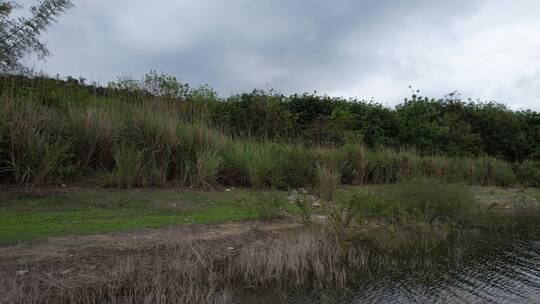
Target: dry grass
column 194, row 272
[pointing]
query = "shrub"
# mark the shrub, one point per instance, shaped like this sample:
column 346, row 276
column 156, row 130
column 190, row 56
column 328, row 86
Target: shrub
column 265, row 205
column 304, row 202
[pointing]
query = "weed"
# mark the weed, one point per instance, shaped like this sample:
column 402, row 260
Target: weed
column 304, row 202
column 265, row 205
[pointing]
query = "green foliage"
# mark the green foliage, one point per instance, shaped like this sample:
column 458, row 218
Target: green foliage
column 158, row 139
column 258, row 114
column 259, row 139
column 154, row 84
column 265, row 205
column 446, row 126
column 355, row 169
column 294, row 167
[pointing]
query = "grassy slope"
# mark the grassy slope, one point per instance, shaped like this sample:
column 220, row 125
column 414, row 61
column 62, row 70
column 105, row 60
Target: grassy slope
column 87, row 211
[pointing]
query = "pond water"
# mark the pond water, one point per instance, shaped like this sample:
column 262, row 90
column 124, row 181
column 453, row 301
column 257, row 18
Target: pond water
column 508, row 272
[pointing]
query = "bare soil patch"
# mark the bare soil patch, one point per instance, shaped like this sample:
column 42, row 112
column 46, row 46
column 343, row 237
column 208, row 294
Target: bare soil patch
column 81, row 247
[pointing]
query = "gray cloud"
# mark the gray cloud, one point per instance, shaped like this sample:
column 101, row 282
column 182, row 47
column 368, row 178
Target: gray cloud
column 486, row 49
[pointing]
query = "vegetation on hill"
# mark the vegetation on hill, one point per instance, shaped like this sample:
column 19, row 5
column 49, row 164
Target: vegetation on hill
column 152, row 132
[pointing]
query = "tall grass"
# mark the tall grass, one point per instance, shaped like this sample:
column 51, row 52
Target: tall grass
column 46, row 142
column 128, row 169
column 328, row 180
column 207, row 169
column 93, row 132
column 251, row 163
column 33, row 151
column 294, row 166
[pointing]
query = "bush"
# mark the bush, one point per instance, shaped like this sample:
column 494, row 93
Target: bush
column 265, row 205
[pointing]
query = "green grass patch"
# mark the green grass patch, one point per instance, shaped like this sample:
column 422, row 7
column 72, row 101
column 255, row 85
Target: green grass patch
column 91, row 211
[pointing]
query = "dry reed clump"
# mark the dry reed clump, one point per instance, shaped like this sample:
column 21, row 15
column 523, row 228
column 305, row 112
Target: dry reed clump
column 196, row 272
column 306, row 261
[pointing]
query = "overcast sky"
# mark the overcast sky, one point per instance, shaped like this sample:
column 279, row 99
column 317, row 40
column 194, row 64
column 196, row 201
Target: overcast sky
column 487, row 49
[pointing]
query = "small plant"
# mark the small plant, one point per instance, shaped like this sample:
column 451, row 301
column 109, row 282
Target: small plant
column 344, row 213
column 328, row 179
column 304, row 201
column 265, row 205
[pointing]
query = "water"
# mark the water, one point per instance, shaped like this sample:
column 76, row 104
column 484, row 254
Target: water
column 508, row 272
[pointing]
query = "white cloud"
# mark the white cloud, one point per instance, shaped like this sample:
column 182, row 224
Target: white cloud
column 488, row 49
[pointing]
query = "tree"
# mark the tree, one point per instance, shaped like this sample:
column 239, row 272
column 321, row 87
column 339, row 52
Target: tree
column 155, row 84
column 19, row 37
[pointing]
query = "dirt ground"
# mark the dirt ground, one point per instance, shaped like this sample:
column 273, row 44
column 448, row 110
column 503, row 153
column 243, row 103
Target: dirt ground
column 89, row 247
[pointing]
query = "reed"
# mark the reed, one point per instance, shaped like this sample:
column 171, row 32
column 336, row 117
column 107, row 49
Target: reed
column 56, row 141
